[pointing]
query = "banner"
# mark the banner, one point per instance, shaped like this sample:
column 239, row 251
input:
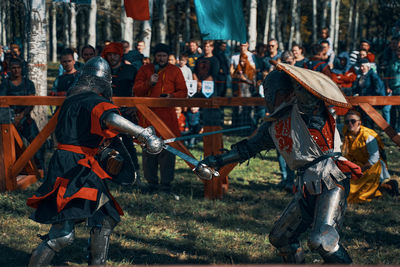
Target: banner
column 79, row 2
column 221, row 20
column 137, row 9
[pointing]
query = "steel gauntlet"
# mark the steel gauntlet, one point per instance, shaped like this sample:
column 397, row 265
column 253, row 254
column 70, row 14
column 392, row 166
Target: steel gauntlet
column 153, row 144
column 221, row 160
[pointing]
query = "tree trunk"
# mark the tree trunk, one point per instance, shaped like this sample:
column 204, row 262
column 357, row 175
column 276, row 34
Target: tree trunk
column 126, row 26
column 297, row 35
column 66, row 36
column 332, row 23
column 107, row 26
column 351, row 26
column 267, row 21
column 147, row 31
column 53, row 32
column 38, row 56
column 337, row 25
column 273, row 20
column 356, row 24
column 187, row 21
column 253, row 25
column 324, row 13
column 73, row 26
column 3, row 22
column 162, row 22
column 92, row 23
column 279, row 33
column 314, row 22
column 292, row 24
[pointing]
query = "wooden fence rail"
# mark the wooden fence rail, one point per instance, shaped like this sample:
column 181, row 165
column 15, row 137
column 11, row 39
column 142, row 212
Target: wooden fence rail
column 15, row 158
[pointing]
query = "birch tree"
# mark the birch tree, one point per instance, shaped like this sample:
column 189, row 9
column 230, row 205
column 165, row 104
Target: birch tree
column 107, row 26
column 92, row 23
column 351, row 26
column 337, row 10
column 267, row 21
column 126, row 25
column 332, row 22
column 2, row 23
column 253, row 25
column 53, row 32
column 297, row 35
column 38, row 56
column 293, row 23
column 356, row 24
column 147, row 31
column 273, row 20
column 187, row 21
column 324, row 13
column 67, row 37
column 74, row 43
column 162, row 22
column 314, row 22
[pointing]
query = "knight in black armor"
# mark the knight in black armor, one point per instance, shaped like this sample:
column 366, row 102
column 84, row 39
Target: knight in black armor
column 303, row 130
column 75, row 188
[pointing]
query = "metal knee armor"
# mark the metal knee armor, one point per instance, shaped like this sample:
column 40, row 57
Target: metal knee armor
column 59, row 236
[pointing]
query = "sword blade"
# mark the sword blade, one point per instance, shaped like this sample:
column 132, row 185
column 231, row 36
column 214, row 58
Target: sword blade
column 186, row 137
column 182, row 155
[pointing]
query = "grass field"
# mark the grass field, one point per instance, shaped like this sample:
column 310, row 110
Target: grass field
column 184, row 228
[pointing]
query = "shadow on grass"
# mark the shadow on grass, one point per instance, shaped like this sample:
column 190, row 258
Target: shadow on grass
column 13, row 257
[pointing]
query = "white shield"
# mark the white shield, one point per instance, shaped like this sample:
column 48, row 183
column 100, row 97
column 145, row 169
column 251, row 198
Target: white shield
column 191, row 87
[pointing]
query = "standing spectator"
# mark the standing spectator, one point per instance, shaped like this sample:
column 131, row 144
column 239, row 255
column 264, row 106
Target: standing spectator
column 258, row 57
column 328, row 53
column 18, row 85
column 325, row 37
column 126, row 46
column 194, row 124
column 317, row 61
column 160, row 79
column 364, row 147
column 245, row 77
column 172, row 59
column 343, row 74
column 186, row 71
column 222, row 77
column 65, row 81
column 1, row 58
column 88, row 52
column 392, row 81
column 193, row 54
column 389, row 53
column 273, row 53
column 181, row 119
column 369, row 84
column 123, row 77
column 140, row 46
column 298, row 52
column 244, row 49
column 15, row 51
column 366, row 45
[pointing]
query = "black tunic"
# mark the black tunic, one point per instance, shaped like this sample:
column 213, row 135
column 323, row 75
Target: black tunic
column 75, row 188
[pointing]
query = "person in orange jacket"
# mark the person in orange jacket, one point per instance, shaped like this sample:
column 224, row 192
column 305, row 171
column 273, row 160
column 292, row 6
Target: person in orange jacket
column 160, row 79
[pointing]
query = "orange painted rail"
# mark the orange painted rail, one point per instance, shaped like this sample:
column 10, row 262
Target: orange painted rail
column 12, row 163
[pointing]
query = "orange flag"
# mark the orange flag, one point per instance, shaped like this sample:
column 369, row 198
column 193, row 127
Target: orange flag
column 137, row 9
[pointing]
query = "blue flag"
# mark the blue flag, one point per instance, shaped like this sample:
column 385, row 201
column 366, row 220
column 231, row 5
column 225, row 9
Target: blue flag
column 221, row 20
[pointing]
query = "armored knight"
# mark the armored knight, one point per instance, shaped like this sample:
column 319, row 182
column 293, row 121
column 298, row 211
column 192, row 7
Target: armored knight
column 74, row 189
column 303, row 130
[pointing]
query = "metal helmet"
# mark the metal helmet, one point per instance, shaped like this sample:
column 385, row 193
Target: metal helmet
column 276, row 82
column 98, row 67
column 95, row 76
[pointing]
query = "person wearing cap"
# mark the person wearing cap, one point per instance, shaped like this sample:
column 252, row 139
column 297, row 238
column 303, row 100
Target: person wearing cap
column 365, row 44
column 75, row 188
column 160, row 79
column 344, row 74
column 123, row 77
column 369, row 83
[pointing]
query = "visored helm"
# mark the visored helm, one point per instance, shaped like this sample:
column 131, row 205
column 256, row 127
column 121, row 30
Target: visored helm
column 276, row 84
column 95, row 76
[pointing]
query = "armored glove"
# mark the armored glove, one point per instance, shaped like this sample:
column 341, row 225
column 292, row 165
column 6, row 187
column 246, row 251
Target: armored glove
column 152, row 143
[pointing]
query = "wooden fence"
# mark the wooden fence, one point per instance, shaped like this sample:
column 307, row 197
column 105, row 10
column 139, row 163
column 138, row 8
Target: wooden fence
column 17, row 169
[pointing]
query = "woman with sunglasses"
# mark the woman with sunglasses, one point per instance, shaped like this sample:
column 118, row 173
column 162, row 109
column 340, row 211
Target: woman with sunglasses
column 364, row 147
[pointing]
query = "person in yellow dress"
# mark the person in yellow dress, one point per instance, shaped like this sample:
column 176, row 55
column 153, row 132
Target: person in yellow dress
column 364, row 147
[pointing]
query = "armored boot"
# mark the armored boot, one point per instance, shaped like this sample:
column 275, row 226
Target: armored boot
column 42, row 255
column 99, row 242
column 293, row 253
column 339, row 256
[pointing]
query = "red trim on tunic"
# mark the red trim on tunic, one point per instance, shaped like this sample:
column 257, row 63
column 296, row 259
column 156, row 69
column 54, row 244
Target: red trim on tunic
column 96, row 113
column 61, row 184
column 88, row 161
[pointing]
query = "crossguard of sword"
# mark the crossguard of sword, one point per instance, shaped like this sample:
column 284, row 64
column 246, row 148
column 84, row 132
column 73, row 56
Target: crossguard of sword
column 205, row 172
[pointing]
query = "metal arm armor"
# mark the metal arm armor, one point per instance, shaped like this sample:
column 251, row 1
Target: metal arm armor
column 146, row 136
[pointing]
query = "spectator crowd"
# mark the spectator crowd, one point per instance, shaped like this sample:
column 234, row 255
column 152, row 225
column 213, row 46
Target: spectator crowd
column 214, row 69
